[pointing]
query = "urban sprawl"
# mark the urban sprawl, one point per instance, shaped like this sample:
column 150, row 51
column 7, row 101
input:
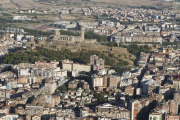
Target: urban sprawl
column 123, row 66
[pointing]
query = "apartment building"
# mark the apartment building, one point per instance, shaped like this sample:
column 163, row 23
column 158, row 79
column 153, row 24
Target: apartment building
column 113, row 81
column 111, row 111
column 53, row 64
column 71, row 66
column 97, row 81
column 96, row 63
column 172, row 116
column 78, row 83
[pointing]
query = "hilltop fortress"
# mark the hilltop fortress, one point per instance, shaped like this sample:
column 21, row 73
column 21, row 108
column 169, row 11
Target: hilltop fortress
column 73, row 43
column 76, row 43
column 71, row 39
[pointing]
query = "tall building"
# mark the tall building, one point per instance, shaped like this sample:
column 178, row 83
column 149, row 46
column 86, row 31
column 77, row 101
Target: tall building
column 140, row 108
column 177, row 97
column 173, row 107
column 172, row 116
column 135, row 108
column 96, row 63
column 113, row 81
column 97, row 81
column 106, row 79
column 93, row 58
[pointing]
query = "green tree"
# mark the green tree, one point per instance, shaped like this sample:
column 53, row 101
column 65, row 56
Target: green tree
column 61, row 89
column 100, row 98
column 62, row 97
column 92, row 35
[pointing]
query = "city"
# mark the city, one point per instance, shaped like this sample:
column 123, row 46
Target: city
column 89, row 60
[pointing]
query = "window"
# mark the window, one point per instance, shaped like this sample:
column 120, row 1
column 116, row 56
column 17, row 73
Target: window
column 28, row 81
column 154, row 118
column 14, row 118
column 9, row 118
column 150, row 118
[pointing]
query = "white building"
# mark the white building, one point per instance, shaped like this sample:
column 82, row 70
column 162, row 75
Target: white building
column 102, row 72
column 19, row 37
column 107, row 23
column 96, row 80
column 75, row 73
column 21, row 18
column 65, row 24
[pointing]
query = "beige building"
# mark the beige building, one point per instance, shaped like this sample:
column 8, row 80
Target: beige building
column 114, row 112
column 51, row 85
column 78, row 83
column 96, row 81
column 51, row 64
column 71, row 66
column 138, row 38
column 155, row 115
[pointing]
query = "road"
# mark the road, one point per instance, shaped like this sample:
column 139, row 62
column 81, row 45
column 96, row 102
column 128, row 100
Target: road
column 26, row 1
column 15, row 3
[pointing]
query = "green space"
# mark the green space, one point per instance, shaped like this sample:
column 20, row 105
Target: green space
column 8, row 22
column 83, row 56
column 135, row 49
column 114, row 44
column 92, row 35
column 110, row 44
column 61, row 89
column 38, row 14
column 3, row 9
column 100, row 98
column 171, row 43
column 48, row 55
column 121, row 69
column 37, row 33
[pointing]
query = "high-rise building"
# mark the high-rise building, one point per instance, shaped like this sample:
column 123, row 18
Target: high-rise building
column 96, row 63
column 177, row 97
column 140, row 108
column 113, row 81
column 97, row 81
column 173, row 107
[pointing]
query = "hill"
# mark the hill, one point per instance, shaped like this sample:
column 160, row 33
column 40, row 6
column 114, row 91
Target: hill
column 46, row 4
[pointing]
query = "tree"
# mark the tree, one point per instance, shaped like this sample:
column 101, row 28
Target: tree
column 61, row 89
column 100, row 98
column 62, row 97
column 92, row 35
column 59, row 55
column 108, row 94
column 135, row 49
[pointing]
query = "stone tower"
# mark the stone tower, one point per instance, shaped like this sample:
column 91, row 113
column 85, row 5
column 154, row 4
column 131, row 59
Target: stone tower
column 56, row 34
column 82, row 33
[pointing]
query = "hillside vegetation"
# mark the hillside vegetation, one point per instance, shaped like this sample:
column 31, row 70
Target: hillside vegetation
column 82, row 56
column 48, row 55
